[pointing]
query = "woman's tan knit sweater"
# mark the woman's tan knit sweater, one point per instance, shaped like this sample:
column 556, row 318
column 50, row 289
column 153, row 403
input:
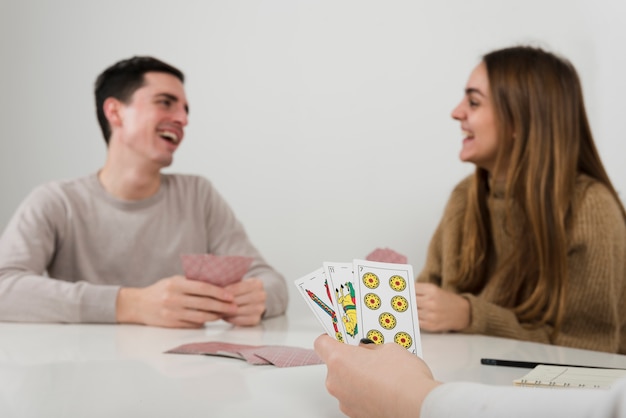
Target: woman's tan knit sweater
column 595, row 311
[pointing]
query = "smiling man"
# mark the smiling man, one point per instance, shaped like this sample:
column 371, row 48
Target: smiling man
column 106, row 248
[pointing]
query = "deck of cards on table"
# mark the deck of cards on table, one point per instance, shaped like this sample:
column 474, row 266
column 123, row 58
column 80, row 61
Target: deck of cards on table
column 365, row 299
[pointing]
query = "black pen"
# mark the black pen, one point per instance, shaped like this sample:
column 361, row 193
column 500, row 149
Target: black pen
column 532, row 364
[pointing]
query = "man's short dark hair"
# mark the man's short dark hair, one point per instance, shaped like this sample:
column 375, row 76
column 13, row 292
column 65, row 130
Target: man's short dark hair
column 122, row 79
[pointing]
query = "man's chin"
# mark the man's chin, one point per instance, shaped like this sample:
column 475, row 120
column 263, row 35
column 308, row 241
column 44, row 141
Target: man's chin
column 165, row 162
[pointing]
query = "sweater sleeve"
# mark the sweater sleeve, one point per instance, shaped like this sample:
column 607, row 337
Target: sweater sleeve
column 228, row 236
column 477, row 400
column 27, row 246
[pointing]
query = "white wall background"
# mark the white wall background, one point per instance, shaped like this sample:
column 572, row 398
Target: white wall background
column 324, row 123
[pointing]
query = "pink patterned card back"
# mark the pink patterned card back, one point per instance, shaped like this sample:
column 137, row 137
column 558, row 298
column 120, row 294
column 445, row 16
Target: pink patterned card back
column 277, row 355
column 210, row 347
column 283, row 356
column 220, row 270
column 386, row 255
column 249, row 354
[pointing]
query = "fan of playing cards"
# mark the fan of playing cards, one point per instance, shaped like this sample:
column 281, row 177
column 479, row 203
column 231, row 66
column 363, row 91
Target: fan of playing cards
column 365, row 299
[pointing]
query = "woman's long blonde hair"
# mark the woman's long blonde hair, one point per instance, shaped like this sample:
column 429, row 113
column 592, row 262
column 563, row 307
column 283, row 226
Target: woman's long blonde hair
column 545, row 142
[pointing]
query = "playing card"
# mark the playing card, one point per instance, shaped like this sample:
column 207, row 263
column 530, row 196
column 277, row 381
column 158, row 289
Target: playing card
column 283, row 356
column 278, row 355
column 249, row 355
column 316, row 291
column 220, row 270
column 386, row 255
column 388, row 310
column 223, row 349
column 346, row 299
column 209, row 347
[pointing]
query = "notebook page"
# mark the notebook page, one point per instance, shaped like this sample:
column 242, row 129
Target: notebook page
column 567, row 376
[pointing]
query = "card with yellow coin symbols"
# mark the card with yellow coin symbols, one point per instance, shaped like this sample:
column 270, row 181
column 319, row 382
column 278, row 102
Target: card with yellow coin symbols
column 388, row 312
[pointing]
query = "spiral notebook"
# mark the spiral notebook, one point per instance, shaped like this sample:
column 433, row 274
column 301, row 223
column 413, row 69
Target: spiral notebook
column 568, row 376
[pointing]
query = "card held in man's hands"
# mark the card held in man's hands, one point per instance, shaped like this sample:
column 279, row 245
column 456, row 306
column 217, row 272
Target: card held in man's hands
column 220, row 270
column 365, row 299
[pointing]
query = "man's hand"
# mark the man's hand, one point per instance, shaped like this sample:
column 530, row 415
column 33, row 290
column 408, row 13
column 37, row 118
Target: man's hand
column 176, row 302
column 249, row 296
column 439, row 310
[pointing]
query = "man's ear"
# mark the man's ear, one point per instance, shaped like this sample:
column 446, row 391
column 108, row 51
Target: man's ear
column 111, row 108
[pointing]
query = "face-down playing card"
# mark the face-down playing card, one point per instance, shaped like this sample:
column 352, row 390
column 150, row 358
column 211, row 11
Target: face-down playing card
column 316, row 291
column 277, row 355
column 386, row 255
column 220, row 270
column 388, row 310
column 283, row 356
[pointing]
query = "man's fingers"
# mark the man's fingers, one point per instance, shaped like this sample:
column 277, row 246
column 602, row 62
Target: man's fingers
column 204, row 304
column 199, row 317
column 243, row 320
column 256, row 297
column 186, row 318
column 199, row 288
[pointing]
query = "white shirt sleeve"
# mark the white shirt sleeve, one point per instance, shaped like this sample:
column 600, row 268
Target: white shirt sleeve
column 464, row 399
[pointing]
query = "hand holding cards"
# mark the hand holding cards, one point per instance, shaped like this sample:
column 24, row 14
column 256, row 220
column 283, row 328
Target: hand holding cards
column 365, row 299
column 223, row 294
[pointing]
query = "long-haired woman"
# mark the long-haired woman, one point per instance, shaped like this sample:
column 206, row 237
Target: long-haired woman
column 531, row 246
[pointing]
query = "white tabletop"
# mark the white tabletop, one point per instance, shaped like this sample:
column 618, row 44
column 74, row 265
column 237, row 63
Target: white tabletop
column 53, row 370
